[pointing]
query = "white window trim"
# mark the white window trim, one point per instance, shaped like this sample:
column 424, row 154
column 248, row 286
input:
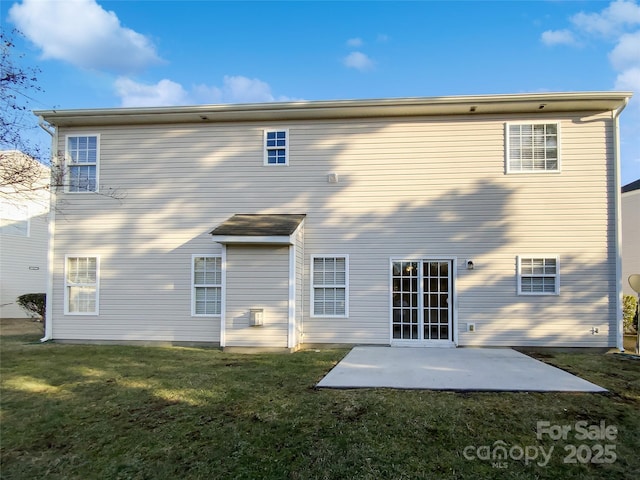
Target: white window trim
column 193, row 285
column 69, row 164
column 519, row 275
column 507, row 168
column 314, row 286
column 266, row 150
column 67, row 285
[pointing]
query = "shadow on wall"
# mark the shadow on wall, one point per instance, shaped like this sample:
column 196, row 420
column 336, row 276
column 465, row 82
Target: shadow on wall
column 178, row 189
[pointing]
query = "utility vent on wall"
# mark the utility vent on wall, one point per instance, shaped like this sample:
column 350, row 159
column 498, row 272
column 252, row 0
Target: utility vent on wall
column 256, row 317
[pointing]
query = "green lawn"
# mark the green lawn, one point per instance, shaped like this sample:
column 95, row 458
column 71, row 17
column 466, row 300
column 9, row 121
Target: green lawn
column 116, row 412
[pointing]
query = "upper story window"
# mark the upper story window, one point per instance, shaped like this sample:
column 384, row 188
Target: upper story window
column 83, row 152
column 276, row 148
column 538, row 275
column 533, row 147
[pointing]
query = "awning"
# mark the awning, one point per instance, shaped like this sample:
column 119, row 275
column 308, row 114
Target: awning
column 258, row 229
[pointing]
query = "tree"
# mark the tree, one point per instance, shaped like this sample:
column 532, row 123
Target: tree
column 19, row 174
column 21, row 162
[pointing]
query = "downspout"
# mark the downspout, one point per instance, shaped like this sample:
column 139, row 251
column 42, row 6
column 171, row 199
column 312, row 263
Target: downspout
column 618, row 226
column 48, row 323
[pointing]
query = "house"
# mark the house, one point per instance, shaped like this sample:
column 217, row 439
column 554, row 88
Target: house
column 24, row 235
column 447, row 221
column 630, row 234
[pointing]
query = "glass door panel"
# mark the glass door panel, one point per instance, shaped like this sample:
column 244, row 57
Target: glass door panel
column 405, row 301
column 420, row 294
column 436, row 286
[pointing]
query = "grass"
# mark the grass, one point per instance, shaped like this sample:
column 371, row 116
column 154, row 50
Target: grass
column 122, row 412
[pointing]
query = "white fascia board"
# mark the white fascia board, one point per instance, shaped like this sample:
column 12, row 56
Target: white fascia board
column 251, row 240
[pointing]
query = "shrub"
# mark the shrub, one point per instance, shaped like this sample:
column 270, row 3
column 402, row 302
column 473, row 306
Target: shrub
column 630, row 313
column 34, row 303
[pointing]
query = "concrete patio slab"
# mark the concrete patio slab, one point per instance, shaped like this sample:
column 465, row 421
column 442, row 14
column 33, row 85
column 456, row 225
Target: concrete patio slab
column 466, row 369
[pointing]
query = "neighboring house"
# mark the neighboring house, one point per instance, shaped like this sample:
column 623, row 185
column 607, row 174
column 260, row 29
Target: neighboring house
column 24, row 208
column 630, row 234
column 480, row 220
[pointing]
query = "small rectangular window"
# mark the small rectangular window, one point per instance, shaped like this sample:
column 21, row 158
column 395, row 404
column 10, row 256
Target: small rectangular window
column 276, row 148
column 532, row 147
column 330, row 286
column 82, row 155
column 207, row 286
column 81, row 285
column 538, row 275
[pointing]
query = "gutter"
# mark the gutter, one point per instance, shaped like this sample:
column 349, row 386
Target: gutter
column 618, row 227
column 48, row 323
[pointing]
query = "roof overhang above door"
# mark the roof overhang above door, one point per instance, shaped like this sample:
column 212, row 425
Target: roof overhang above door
column 258, row 229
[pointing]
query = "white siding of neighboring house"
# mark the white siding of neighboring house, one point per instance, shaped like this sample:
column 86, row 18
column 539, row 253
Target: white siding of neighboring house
column 408, row 188
column 630, row 238
column 23, row 250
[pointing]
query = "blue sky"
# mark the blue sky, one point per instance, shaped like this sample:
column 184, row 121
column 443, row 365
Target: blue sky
column 94, row 53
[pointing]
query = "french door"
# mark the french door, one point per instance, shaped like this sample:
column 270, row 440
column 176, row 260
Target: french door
column 422, row 300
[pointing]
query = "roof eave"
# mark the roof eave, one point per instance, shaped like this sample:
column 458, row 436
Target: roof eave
column 337, row 109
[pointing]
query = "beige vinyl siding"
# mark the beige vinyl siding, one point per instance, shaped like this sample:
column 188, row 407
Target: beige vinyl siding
column 145, row 292
column 23, row 251
column 257, row 277
column 408, row 188
column 23, row 261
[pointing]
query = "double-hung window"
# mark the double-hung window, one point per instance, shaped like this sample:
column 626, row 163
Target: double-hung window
column 538, row 275
column 83, row 152
column 330, row 286
column 207, row 286
column 276, row 148
column 81, row 285
column 532, row 147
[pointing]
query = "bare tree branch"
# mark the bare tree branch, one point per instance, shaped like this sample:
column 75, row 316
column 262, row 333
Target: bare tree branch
column 22, row 164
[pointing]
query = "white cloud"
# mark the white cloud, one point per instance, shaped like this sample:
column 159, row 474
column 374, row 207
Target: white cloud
column 82, row 33
column 616, row 17
column 382, row 38
column 163, row 93
column 237, row 89
column 619, row 24
column 629, row 80
column 626, row 53
column 358, row 60
column 355, row 42
column 558, row 37
column 234, row 89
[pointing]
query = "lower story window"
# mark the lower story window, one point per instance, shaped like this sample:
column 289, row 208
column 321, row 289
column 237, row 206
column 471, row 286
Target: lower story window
column 330, row 286
column 207, row 285
column 81, row 285
column 538, row 275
